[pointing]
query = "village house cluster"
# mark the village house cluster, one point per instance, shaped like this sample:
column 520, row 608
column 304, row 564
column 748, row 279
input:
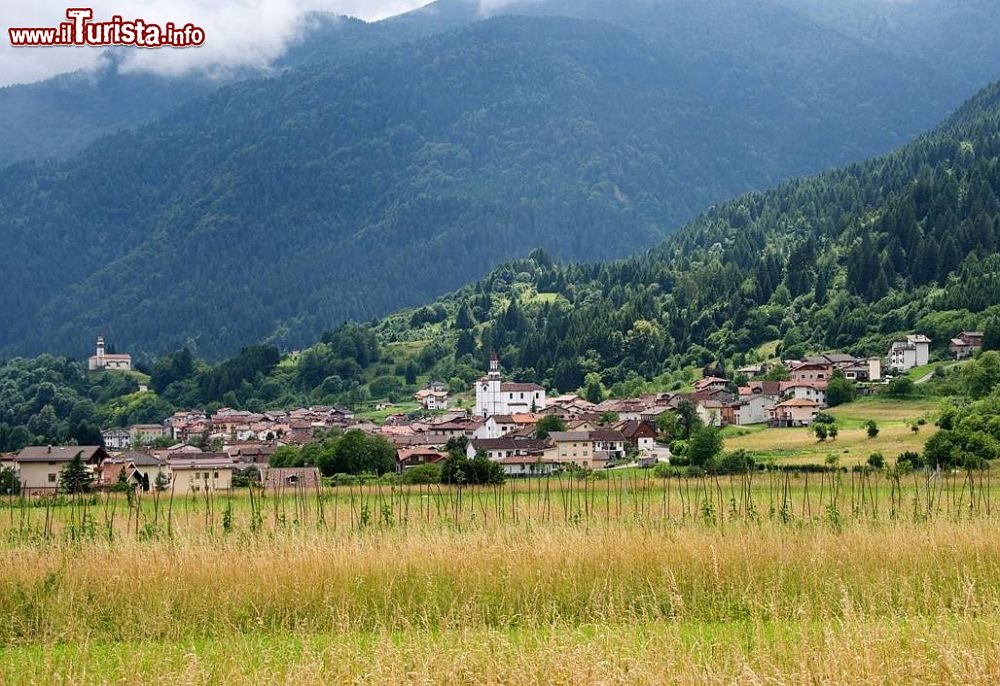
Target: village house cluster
column 502, row 425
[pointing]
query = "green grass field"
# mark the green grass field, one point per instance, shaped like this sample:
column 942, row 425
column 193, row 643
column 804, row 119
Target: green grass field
column 894, row 417
column 607, row 588
column 623, row 578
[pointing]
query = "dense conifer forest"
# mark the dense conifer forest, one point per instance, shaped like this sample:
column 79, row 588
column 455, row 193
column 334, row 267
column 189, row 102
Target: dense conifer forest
column 847, row 260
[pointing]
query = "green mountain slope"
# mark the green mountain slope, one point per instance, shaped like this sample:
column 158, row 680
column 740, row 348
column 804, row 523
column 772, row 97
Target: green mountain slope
column 61, row 116
column 275, row 209
column 848, row 259
column 844, row 260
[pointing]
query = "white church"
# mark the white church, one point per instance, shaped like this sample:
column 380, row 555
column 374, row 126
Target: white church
column 108, row 361
column 493, row 397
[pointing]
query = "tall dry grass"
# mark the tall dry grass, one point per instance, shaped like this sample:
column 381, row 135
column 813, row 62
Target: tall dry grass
column 501, row 579
column 866, row 585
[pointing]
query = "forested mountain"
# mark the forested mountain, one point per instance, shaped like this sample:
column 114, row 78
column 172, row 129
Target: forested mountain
column 274, row 209
column 850, row 259
column 62, row 115
column 847, row 260
column 956, row 34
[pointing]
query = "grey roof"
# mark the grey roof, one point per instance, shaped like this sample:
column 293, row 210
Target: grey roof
column 514, row 387
column 60, row 453
column 508, row 443
column 199, row 460
column 569, row 436
column 140, row 459
column 840, row 357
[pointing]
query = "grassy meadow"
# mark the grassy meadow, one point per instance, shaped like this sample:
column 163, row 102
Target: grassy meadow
column 799, row 446
column 778, row 578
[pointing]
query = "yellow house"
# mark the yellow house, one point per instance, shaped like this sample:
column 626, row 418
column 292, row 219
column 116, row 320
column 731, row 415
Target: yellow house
column 575, row 447
column 200, row 472
column 39, row 467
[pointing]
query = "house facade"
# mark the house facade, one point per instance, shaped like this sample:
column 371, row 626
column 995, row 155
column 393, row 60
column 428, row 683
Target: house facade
column 500, row 448
column 39, row 467
column 525, row 465
column 795, row 412
column 811, row 371
column 804, row 390
column 432, row 400
column 913, row 352
column 200, row 472
column 966, row 344
column 141, row 434
column 116, row 439
column 408, row 458
column 640, row 436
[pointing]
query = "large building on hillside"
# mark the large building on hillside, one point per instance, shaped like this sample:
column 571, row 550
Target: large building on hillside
column 103, row 360
column 913, row 352
column 494, row 397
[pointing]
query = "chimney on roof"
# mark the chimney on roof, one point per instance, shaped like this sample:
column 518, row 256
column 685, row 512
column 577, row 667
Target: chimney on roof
column 49, row 448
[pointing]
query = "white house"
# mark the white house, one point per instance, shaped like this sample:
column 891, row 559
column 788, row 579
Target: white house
column 499, row 448
column 913, row 352
column 754, row 409
column 493, row 396
column 709, row 412
column 804, row 390
column 869, row 369
column 116, row 439
column 432, row 400
column 756, row 400
column 529, row 465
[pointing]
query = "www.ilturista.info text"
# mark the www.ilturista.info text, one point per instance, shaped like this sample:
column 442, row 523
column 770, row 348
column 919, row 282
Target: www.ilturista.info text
column 82, row 30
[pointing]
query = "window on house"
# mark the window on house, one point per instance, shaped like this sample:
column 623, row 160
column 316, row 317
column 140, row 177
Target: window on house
column 52, row 478
column 215, row 475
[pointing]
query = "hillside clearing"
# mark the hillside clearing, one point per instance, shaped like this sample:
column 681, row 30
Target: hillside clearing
column 799, row 446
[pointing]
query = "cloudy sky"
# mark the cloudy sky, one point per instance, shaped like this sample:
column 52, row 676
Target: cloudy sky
column 239, row 32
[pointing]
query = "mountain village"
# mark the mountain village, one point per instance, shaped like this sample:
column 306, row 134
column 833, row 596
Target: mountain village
column 192, row 451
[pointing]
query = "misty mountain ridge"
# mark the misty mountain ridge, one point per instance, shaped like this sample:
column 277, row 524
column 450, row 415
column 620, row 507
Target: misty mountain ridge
column 273, row 209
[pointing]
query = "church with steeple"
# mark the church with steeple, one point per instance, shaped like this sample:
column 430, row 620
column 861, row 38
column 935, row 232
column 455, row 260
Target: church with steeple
column 494, row 397
column 103, row 360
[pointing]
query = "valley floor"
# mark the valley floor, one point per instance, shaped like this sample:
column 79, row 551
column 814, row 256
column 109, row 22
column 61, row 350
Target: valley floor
column 922, row 650
column 853, row 581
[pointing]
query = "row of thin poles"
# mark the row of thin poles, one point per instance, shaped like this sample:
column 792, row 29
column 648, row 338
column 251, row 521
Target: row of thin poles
column 833, row 496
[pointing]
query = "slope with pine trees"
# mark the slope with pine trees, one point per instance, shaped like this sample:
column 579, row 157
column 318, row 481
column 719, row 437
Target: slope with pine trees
column 274, row 209
column 847, row 260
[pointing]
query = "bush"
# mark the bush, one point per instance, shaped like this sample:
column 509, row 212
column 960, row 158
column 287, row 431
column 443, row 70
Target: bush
column 480, row 470
column 872, row 428
column 9, row 483
column 424, row 474
column 840, row 390
column 735, row 462
column 705, row 444
column 876, row 461
column 901, row 386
